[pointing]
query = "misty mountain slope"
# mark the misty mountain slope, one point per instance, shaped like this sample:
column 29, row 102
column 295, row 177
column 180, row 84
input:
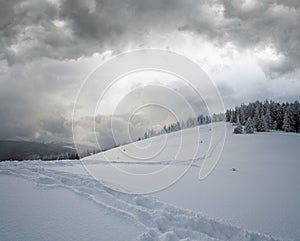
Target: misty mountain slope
column 26, row 150
column 175, row 213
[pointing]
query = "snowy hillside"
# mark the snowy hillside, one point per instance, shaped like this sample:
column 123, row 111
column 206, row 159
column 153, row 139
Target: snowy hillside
column 60, row 200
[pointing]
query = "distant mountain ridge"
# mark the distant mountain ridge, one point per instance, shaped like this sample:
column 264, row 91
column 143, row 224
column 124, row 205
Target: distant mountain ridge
column 27, row 150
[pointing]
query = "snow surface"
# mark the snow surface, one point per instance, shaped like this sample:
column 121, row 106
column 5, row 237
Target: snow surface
column 34, row 213
column 67, row 202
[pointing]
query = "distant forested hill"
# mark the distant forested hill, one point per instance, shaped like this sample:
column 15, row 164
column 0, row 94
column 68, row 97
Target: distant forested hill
column 24, row 150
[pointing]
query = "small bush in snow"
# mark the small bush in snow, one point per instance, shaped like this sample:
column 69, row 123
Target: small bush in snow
column 238, row 130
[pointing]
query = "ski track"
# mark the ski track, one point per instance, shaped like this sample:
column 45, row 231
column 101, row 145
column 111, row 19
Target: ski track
column 161, row 221
column 192, row 162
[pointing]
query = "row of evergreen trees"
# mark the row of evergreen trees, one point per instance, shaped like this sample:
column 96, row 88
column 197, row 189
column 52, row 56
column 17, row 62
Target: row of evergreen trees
column 189, row 123
column 264, row 116
column 50, row 156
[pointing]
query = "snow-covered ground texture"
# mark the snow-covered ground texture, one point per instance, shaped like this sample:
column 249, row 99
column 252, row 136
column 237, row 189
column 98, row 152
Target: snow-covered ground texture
column 60, row 200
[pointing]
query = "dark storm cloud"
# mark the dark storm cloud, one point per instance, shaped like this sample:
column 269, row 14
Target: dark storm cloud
column 95, row 25
column 270, row 23
column 35, row 101
column 256, row 25
column 32, row 117
column 24, row 29
column 37, row 38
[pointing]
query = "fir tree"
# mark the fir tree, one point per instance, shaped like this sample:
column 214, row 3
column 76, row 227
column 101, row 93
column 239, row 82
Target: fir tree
column 275, row 125
column 257, row 121
column 228, row 114
column 264, row 125
column 286, row 122
column 231, row 116
column 249, row 126
column 243, row 117
column 269, row 120
column 238, row 129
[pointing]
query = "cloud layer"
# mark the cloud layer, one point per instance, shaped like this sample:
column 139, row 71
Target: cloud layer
column 69, row 29
column 48, row 47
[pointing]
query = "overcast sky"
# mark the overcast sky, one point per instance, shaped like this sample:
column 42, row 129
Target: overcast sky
column 250, row 49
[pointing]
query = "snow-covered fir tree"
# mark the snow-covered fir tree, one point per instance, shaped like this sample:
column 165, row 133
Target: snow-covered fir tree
column 249, row 126
column 231, row 116
column 238, row 129
column 286, row 122
column 264, row 125
column 257, row 120
column 242, row 115
column 275, row 125
column 268, row 119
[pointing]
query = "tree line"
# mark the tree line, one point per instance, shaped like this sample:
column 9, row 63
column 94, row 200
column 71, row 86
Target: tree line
column 189, row 123
column 264, row 116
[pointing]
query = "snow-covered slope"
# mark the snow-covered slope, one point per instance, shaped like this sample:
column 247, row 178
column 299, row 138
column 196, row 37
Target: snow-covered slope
column 153, row 217
column 158, row 220
column 156, row 163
